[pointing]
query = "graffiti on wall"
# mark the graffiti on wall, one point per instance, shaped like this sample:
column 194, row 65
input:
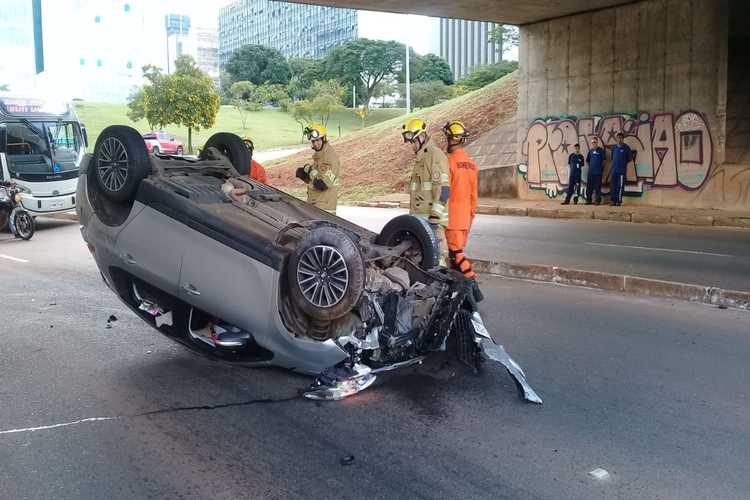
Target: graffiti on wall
column 670, row 150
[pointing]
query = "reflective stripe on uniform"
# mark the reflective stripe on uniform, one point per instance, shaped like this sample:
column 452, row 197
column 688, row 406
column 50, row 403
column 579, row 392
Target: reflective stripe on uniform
column 414, row 186
column 332, row 177
column 427, row 186
column 444, row 178
column 313, row 173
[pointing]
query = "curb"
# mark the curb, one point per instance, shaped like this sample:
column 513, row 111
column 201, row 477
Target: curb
column 599, row 213
column 616, row 282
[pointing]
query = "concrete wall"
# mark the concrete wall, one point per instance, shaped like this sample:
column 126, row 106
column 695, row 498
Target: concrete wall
column 655, row 70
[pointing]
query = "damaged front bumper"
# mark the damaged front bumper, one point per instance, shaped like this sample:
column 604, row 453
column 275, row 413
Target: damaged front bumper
column 474, row 345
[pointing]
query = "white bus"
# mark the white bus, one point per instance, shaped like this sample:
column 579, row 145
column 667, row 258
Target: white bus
column 42, row 144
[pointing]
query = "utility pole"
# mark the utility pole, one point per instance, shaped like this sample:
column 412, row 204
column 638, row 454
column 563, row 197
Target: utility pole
column 354, row 97
column 408, row 82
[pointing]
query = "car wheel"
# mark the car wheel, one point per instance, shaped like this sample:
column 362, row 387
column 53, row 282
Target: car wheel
column 155, row 150
column 121, row 161
column 231, row 146
column 326, row 274
column 424, row 248
column 179, row 151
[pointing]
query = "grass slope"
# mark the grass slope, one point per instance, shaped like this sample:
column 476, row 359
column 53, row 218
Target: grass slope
column 269, row 128
column 375, row 160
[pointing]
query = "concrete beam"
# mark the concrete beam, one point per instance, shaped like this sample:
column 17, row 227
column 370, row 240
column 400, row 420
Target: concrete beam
column 497, row 11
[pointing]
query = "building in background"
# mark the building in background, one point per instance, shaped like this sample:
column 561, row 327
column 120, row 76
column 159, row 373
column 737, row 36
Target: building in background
column 18, row 61
column 297, row 30
column 205, row 47
column 464, row 44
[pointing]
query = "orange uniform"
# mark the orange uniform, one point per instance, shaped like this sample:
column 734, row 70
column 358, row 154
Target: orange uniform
column 462, row 206
column 257, row 172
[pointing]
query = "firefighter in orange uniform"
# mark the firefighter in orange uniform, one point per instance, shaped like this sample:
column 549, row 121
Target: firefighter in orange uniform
column 462, row 203
column 256, row 170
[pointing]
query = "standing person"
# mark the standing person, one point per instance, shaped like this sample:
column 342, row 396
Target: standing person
column 255, row 170
column 621, row 155
column 575, row 162
column 429, row 188
column 322, row 177
column 462, row 203
column 595, row 160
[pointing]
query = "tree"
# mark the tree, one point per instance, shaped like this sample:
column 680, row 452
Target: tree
column 426, row 94
column 307, row 70
column 186, row 97
column 504, row 37
column 322, row 99
column 4, row 87
column 192, row 97
column 137, row 107
column 432, row 68
column 244, row 99
column 365, row 63
column 258, row 64
column 486, row 74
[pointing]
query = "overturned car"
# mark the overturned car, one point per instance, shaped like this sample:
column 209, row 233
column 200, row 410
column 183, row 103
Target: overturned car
column 239, row 270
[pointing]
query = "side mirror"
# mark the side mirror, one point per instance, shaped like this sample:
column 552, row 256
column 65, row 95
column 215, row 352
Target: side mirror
column 85, row 136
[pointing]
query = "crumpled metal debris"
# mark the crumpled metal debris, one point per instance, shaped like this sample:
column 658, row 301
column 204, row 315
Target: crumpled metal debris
column 496, row 352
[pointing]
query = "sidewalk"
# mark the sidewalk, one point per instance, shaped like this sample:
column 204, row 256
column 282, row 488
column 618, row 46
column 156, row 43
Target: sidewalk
column 552, row 209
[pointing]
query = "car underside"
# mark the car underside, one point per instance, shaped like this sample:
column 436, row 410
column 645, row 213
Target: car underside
column 238, row 270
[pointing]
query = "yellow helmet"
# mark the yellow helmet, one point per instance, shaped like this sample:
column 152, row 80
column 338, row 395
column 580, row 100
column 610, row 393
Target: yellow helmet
column 315, row 131
column 249, row 143
column 455, row 129
column 413, row 129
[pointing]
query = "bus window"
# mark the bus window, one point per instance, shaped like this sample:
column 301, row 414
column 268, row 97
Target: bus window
column 26, row 149
column 64, row 138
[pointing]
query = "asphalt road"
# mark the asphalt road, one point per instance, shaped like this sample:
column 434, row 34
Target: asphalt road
column 705, row 256
column 653, row 391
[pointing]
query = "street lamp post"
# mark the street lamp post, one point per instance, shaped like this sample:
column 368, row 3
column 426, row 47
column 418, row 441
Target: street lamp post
column 408, row 82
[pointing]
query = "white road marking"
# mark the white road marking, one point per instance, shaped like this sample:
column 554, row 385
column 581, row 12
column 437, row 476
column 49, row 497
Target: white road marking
column 55, row 426
column 671, row 250
column 14, row 259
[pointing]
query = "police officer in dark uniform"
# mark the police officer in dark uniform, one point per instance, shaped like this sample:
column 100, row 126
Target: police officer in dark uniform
column 595, row 159
column 621, row 155
column 575, row 162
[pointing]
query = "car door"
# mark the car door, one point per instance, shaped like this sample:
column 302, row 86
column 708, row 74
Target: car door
column 150, row 247
column 227, row 284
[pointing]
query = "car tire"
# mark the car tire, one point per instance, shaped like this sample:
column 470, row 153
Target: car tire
column 121, row 161
column 179, row 151
column 231, row 146
column 326, row 274
column 424, row 250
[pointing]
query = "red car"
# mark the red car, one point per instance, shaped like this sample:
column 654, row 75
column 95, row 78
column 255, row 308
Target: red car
column 161, row 142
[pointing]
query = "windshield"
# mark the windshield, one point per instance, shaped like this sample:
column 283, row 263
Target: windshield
column 47, row 148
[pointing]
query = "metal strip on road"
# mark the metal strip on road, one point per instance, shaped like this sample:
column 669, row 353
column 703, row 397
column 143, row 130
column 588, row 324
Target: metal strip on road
column 14, row 259
column 671, row 250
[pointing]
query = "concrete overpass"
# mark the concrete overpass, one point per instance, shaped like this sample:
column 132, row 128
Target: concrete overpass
column 673, row 75
column 498, row 11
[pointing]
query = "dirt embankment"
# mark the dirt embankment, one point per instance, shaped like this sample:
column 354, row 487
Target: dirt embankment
column 376, row 161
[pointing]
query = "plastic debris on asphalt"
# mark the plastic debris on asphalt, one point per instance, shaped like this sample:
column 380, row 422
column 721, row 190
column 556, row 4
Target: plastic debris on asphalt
column 347, row 460
column 599, row 473
column 111, row 318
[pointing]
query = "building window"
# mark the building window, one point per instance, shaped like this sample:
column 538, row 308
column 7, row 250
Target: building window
column 130, row 64
column 127, row 7
column 98, row 19
column 99, row 63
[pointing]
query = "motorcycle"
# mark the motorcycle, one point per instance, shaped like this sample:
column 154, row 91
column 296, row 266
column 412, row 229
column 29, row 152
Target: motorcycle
column 12, row 211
